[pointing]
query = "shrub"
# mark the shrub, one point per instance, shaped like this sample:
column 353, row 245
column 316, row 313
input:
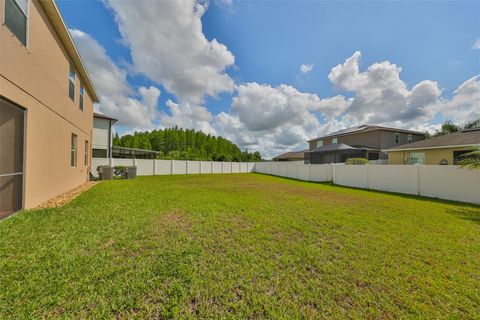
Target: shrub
column 356, row 161
column 471, row 159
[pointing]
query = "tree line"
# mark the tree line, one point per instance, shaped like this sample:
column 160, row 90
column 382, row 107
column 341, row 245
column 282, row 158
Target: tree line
column 451, row 127
column 186, row 144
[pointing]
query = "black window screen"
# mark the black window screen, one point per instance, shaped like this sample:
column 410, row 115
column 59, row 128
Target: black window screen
column 16, row 19
column 99, row 153
column 11, row 157
column 373, row 156
column 457, row 155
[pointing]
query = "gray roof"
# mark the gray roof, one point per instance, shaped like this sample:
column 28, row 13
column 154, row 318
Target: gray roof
column 463, row 138
column 365, row 127
column 292, row 155
column 335, row 147
column 102, row 116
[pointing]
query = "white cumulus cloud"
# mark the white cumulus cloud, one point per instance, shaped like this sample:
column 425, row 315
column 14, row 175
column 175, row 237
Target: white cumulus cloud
column 476, row 44
column 185, row 115
column 133, row 108
column 168, row 46
column 380, row 96
column 306, row 68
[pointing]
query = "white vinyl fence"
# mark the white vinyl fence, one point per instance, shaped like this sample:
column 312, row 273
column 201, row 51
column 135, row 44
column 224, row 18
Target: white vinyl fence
column 444, row 182
column 150, row 167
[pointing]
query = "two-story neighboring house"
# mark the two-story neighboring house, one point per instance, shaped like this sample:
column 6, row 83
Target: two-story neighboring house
column 46, row 106
column 365, row 141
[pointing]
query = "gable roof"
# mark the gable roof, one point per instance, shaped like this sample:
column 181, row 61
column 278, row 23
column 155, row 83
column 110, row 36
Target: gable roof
column 53, row 14
column 292, row 155
column 335, row 147
column 463, row 138
column 364, row 128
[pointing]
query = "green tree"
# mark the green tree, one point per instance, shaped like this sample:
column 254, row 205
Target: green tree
column 189, row 144
column 447, row 127
column 471, row 124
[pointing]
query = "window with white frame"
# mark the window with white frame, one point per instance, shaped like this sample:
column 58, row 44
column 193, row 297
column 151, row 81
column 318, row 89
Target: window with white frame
column 319, row 143
column 82, row 91
column 73, row 151
column 396, row 137
column 409, row 138
column 334, row 140
column 16, row 18
column 417, row 158
column 85, row 160
column 71, row 83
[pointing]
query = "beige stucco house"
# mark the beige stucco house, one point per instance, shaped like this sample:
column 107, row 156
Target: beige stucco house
column 46, row 106
column 444, row 149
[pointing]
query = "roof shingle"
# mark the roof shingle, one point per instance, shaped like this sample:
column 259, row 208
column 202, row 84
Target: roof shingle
column 461, row 138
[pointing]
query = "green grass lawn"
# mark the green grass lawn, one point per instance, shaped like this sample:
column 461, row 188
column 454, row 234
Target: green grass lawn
column 241, row 246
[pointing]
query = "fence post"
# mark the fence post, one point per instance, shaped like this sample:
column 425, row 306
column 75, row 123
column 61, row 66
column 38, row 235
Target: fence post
column 334, row 180
column 171, row 166
column 154, row 167
column 186, row 168
column 368, row 176
column 418, row 179
column 211, row 166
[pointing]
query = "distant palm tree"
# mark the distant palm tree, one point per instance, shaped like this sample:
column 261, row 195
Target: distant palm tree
column 471, row 159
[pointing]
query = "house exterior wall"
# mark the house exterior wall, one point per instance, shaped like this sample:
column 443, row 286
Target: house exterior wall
column 387, row 139
column 432, row 156
column 375, row 139
column 101, row 134
column 36, row 78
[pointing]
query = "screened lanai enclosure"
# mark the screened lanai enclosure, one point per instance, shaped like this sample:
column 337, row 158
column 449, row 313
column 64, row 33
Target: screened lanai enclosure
column 11, row 157
column 338, row 153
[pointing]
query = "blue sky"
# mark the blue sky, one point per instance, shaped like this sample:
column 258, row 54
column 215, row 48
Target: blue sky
column 431, row 41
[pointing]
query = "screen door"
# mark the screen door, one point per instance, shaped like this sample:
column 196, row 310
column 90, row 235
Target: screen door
column 11, row 157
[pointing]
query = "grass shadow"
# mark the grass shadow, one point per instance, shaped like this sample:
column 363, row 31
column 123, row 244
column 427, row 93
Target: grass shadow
column 466, row 214
column 397, row 194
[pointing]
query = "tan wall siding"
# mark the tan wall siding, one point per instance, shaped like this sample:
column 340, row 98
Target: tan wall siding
column 396, row 157
column 377, row 139
column 42, row 70
column 37, row 80
column 387, row 139
column 432, row 156
column 368, row 139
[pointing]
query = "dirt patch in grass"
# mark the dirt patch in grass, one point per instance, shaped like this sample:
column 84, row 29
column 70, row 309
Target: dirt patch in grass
column 336, row 197
column 281, row 189
column 66, row 197
column 175, row 219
